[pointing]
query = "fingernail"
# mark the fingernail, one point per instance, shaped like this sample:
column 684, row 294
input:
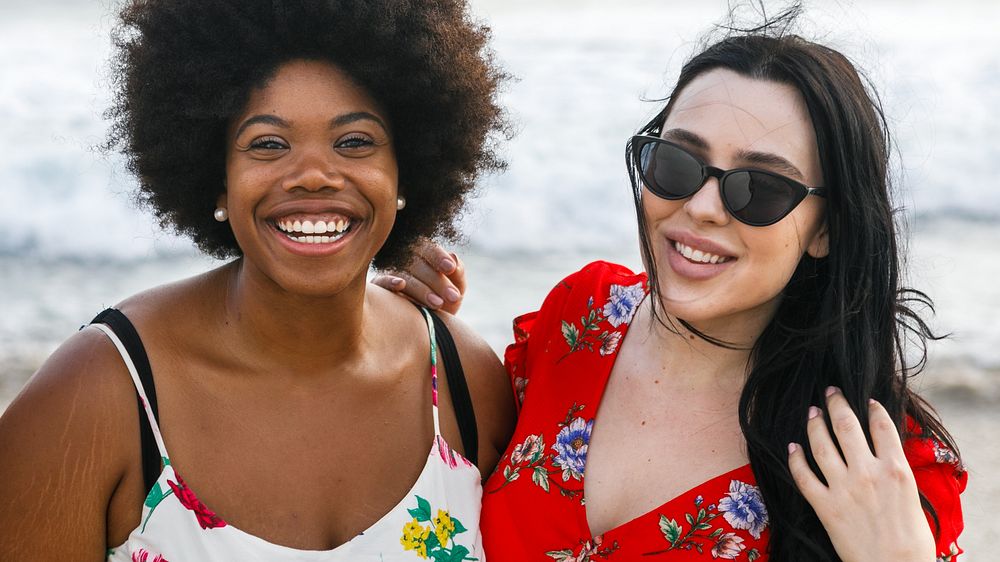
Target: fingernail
column 792, row 447
column 872, row 401
column 813, row 412
column 452, row 294
column 831, row 390
column 396, row 281
column 447, row 266
column 434, row 300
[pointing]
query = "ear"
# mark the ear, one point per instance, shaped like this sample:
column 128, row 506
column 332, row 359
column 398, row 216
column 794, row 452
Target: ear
column 819, row 246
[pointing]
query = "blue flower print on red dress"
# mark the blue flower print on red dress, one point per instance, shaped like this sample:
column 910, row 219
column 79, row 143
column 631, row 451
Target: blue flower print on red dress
column 744, row 509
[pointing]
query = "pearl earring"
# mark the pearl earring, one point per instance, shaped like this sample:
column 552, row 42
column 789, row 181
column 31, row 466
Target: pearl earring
column 400, row 203
column 221, row 214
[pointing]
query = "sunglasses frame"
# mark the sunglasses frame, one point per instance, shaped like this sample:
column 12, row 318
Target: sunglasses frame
column 800, row 190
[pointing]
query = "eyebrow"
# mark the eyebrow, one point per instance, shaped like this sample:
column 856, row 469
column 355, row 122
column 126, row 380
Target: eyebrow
column 357, row 116
column 767, row 159
column 338, row 121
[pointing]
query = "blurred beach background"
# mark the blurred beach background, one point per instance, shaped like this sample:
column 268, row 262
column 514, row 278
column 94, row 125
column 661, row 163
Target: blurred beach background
column 72, row 243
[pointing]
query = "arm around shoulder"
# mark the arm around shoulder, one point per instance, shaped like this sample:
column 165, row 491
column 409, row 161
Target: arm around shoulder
column 64, row 444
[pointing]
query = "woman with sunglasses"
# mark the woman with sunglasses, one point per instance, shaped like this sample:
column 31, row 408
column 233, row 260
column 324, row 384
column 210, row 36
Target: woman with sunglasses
column 744, row 398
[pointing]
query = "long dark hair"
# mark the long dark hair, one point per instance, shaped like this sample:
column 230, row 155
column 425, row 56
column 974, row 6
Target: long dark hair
column 844, row 319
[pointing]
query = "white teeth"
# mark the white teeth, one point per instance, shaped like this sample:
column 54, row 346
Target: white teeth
column 698, row 255
column 315, row 239
column 336, row 227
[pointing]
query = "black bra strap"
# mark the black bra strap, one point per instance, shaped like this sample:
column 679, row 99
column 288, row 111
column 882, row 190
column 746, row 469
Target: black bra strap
column 459, row 390
column 126, row 332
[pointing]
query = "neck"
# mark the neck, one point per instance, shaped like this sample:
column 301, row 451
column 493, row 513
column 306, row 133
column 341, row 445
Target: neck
column 284, row 332
column 695, row 363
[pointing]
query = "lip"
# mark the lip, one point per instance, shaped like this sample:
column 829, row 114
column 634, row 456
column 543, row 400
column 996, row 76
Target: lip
column 691, row 270
column 317, row 208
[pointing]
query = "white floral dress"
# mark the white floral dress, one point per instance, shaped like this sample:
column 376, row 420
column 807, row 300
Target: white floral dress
column 438, row 519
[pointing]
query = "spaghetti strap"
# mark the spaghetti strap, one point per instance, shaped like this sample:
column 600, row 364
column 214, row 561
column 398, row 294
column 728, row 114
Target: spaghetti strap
column 138, row 387
column 434, row 371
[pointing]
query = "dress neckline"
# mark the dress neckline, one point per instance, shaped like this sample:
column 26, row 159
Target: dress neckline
column 598, row 393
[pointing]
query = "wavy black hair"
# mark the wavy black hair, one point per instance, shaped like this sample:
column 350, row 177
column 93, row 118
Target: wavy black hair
column 184, row 68
column 844, row 319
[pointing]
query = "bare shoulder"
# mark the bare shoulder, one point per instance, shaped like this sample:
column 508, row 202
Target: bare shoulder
column 65, row 443
column 489, row 386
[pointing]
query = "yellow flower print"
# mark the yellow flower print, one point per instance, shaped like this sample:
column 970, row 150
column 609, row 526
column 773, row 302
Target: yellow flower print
column 444, row 527
column 415, row 537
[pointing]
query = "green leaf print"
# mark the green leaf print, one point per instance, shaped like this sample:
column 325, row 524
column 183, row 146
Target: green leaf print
column 571, row 334
column 540, row 476
column 458, row 553
column 422, row 512
column 671, row 530
column 153, row 499
column 459, row 528
column 752, row 554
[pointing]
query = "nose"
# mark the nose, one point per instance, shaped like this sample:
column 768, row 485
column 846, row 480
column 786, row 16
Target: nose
column 314, row 169
column 705, row 206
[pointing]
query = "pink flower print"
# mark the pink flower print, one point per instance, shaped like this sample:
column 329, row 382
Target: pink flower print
column 206, row 517
column 527, row 451
column 449, row 456
column 143, row 556
column 520, row 383
column 610, row 343
column 728, row 547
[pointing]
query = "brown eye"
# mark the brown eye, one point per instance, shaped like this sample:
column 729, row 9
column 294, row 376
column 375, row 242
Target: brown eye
column 267, row 143
column 355, row 142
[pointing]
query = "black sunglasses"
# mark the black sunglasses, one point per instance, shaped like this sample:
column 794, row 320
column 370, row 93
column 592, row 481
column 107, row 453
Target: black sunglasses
column 753, row 197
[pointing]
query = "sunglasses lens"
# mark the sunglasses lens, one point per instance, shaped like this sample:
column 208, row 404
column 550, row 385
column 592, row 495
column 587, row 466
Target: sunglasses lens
column 668, row 171
column 757, row 198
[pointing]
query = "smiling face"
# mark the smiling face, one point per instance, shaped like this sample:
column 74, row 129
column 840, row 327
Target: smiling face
column 311, row 179
column 730, row 121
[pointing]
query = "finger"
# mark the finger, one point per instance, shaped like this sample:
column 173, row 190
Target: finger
column 415, row 290
column 389, row 282
column 805, row 479
column 457, row 277
column 437, row 282
column 439, row 259
column 828, row 459
column 847, row 428
column 885, row 437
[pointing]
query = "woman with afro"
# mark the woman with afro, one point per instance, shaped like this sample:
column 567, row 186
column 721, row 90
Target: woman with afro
column 277, row 407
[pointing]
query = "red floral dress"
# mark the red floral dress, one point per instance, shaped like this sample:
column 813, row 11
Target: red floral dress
column 533, row 504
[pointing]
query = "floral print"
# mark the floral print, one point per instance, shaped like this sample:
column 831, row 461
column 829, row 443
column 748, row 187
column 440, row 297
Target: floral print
column 953, row 551
column 589, row 551
column 702, row 532
column 618, row 311
column 432, row 541
column 448, row 455
column 723, row 518
column 568, row 459
column 142, row 555
column 622, row 303
column 744, row 509
column 571, row 448
column 207, row 518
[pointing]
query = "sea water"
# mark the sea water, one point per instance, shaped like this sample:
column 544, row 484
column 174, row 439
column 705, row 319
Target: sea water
column 72, row 241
